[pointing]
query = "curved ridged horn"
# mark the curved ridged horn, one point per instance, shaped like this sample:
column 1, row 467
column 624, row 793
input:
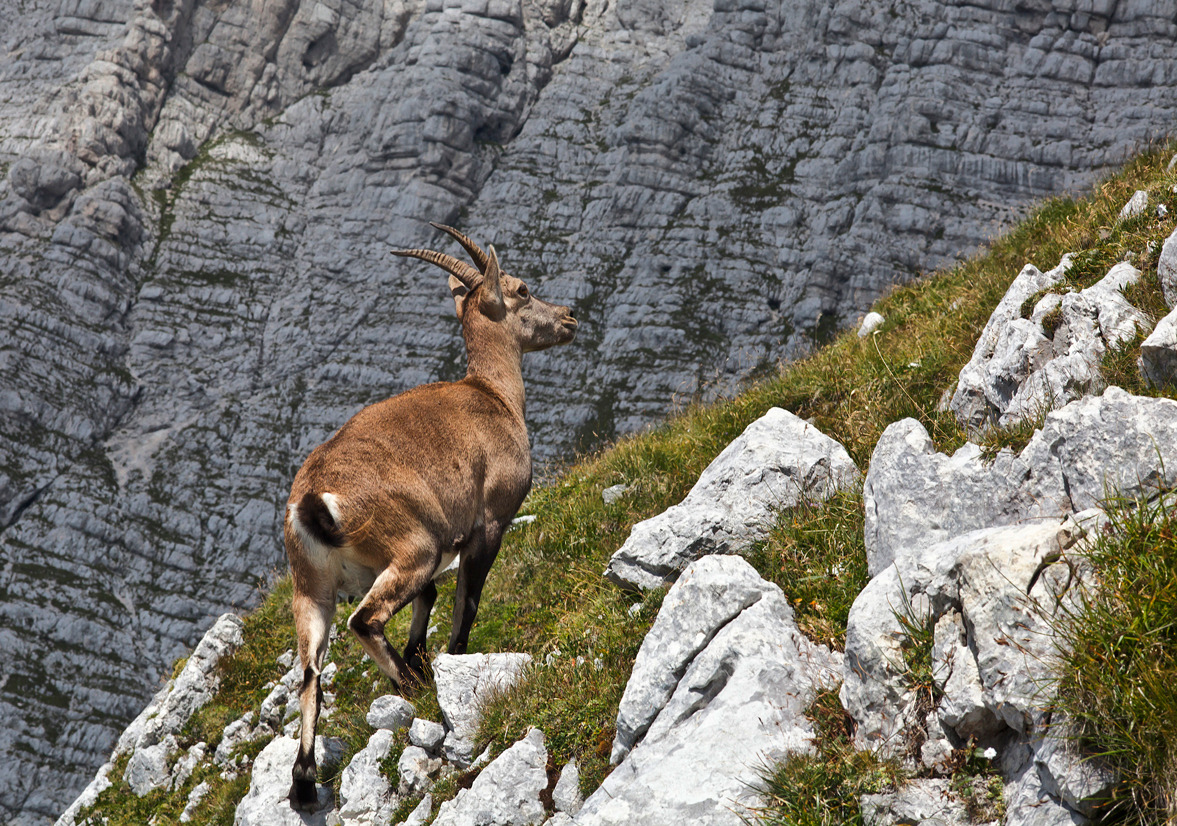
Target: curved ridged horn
column 474, row 251
column 459, row 269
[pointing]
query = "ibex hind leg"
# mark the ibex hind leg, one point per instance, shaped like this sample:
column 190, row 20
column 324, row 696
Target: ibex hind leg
column 312, row 622
column 393, row 590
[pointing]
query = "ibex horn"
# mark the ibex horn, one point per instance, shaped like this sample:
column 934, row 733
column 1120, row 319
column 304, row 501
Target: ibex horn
column 459, row 269
column 475, row 251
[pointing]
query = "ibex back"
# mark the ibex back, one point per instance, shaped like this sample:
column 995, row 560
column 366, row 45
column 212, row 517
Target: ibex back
column 413, row 481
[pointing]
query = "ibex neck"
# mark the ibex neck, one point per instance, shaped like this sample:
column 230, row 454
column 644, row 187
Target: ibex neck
column 496, row 358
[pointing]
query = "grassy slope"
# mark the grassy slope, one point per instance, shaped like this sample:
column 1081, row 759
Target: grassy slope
column 546, row 594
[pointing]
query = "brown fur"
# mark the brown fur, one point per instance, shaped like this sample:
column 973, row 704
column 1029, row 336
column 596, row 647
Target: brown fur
column 440, row 469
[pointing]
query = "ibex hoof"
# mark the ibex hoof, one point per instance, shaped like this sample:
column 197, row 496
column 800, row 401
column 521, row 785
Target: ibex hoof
column 304, row 795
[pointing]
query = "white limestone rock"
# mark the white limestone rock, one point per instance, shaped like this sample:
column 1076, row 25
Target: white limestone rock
column 778, row 461
column 273, row 707
column 465, row 680
column 194, row 799
column 427, row 734
column 1029, row 802
column 186, row 765
column 458, row 751
column 506, row 792
column 915, row 497
column 1167, row 269
column 719, row 687
column 267, row 802
column 365, row 795
column 391, row 712
column 1007, row 583
column 420, row 813
column 236, row 734
column 1023, row 367
column 566, row 796
column 1080, row 780
column 918, row 802
column 191, row 690
column 417, row 771
column 612, row 493
column 1158, row 353
column 1136, row 205
column 149, row 766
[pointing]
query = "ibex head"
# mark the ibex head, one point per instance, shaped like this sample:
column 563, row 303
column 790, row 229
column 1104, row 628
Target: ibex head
column 499, row 297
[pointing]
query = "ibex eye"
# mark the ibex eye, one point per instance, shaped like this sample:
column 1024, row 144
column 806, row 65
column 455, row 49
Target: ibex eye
column 523, row 291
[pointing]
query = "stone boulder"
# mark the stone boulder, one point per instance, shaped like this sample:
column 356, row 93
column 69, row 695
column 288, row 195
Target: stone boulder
column 192, row 689
column 365, row 795
column 391, row 712
column 919, row 802
column 1096, row 446
column 778, row 461
column 1167, row 269
column 566, row 796
column 267, row 801
column 427, row 734
column 719, row 687
column 465, row 680
column 991, row 596
column 1025, row 366
column 1158, row 353
column 506, row 792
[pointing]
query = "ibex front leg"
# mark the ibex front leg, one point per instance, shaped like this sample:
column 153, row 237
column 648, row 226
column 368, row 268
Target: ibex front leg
column 312, row 621
column 472, row 571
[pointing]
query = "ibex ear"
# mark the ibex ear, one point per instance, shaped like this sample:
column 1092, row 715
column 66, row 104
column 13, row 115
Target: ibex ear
column 459, row 291
column 492, row 292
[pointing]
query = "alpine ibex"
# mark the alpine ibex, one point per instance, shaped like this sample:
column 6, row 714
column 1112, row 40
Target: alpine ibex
column 411, row 482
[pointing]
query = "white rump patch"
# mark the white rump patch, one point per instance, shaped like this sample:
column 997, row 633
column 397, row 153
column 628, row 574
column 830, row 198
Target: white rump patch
column 318, row 554
column 332, row 503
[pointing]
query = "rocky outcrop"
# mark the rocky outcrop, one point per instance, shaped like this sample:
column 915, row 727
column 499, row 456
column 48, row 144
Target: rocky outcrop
column 267, row 801
column 1043, row 345
column 1158, row 353
column 463, row 681
column 720, row 686
column 915, row 497
column 507, row 791
column 778, row 461
column 991, row 596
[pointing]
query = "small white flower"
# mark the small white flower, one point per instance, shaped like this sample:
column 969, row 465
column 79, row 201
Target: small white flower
column 990, row 753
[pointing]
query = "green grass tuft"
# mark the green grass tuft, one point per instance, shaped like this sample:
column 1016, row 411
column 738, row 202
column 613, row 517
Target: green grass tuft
column 817, row 555
column 823, row 788
column 1119, row 678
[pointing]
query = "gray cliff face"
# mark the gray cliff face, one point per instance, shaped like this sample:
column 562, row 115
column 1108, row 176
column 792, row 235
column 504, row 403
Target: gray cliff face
column 198, row 200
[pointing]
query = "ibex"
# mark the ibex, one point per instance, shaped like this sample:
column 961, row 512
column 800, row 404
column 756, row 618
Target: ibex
column 411, row 482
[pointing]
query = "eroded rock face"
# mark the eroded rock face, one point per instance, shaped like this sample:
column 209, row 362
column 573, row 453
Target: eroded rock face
column 505, row 792
column 915, row 497
column 1026, row 364
column 463, row 680
column 719, row 687
column 710, row 185
column 267, row 802
column 778, row 461
column 1003, row 583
